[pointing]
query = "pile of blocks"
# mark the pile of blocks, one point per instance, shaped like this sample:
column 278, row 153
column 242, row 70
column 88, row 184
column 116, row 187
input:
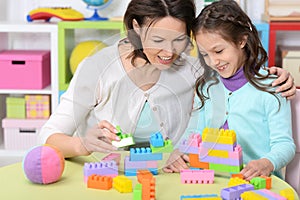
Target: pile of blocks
column 217, row 150
column 147, row 157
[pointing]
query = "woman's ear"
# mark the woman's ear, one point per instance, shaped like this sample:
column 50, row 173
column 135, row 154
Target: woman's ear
column 136, row 27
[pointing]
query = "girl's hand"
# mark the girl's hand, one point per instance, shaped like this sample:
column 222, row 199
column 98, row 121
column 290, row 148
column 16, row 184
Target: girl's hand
column 285, row 82
column 176, row 162
column 99, row 138
column 257, row 168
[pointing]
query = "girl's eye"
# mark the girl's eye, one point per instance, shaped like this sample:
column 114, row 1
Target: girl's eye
column 157, row 41
column 219, row 51
column 204, row 55
column 180, row 39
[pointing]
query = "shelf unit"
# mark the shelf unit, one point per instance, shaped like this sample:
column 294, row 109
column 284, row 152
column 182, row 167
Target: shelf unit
column 6, row 42
column 67, row 42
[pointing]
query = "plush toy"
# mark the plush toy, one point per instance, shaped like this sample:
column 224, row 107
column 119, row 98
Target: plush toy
column 43, row 164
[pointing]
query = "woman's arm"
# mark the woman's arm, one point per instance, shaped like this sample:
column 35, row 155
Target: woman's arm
column 285, row 82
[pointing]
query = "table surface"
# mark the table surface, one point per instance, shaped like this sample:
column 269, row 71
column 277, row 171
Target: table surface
column 15, row 186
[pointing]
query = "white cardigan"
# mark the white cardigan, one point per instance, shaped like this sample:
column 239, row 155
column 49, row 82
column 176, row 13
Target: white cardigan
column 101, row 90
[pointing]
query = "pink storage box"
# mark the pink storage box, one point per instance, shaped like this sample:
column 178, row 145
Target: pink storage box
column 24, row 69
column 21, row 134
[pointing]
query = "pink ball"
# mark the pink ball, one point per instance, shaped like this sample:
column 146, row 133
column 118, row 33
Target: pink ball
column 43, row 164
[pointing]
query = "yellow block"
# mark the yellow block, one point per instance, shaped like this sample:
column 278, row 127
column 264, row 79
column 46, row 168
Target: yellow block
column 249, row 195
column 220, row 136
column 122, row 184
column 287, row 193
column 237, row 181
column 218, row 153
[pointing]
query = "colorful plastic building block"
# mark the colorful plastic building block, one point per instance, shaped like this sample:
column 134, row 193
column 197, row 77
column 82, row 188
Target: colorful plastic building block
column 99, row 182
column 184, row 147
column 287, row 193
column 269, row 194
column 268, row 181
column 236, row 181
column 137, row 192
column 122, row 184
column 156, row 140
column 220, row 136
column 126, row 140
column 113, row 156
column 144, row 154
column 251, row 195
column 258, row 183
column 197, row 176
column 235, row 191
column 167, row 148
column 195, row 162
column 200, row 197
column 103, row 168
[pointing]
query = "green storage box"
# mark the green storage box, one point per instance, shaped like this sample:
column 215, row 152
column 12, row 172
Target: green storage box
column 15, row 107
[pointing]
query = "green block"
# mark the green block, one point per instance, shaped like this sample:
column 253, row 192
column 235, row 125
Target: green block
column 258, row 183
column 225, row 168
column 137, row 192
column 15, row 107
column 167, row 148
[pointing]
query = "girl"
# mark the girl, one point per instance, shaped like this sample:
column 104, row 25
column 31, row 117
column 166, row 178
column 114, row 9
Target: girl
column 234, row 77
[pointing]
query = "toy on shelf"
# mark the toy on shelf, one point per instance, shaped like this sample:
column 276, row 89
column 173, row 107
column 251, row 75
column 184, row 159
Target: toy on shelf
column 43, row 164
column 97, row 5
column 63, row 13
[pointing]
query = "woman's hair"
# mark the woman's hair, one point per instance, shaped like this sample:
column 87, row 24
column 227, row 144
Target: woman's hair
column 146, row 12
column 225, row 17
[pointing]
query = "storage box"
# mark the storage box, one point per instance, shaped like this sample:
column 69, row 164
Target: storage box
column 37, row 106
column 21, row 134
column 291, row 61
column 24, row 69
column 278, row 10
column 15, row 107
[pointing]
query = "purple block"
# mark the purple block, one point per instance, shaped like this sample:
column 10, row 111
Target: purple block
column 184, row 147
column 139, row 164
column 100, row 168
column 225, row 161
column 212, row 145
column 235, row 191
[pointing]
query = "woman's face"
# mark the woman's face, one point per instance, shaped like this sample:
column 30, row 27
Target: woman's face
column 224, row 57
column 163, row 41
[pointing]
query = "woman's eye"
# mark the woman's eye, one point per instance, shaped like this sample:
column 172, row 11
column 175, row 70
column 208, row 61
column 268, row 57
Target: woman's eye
column 219, row 51
column 157, row 41
column 204, row 55
column 180, row 39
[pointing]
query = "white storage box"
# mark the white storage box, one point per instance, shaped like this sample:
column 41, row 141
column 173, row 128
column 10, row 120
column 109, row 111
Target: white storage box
column 21, row 134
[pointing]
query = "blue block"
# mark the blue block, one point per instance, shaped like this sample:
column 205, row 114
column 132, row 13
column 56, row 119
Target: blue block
column 186, row 197
column 156, row 140
column 144, row 154
column 133, row 172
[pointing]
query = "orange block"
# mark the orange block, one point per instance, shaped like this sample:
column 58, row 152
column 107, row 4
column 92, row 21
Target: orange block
column 268, row 181
column 99, row 182
column 241, row 176
column 195, row 162
column 144, row 174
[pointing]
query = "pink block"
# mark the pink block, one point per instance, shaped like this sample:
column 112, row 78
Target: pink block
column 113, row 156
column 24, row 69
column 194, row 140
column 237, row 153
column 197, row 176
column 272, row 194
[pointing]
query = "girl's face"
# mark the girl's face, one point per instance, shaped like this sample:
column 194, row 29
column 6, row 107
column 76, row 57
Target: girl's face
column 223, row 56
column 163, row 41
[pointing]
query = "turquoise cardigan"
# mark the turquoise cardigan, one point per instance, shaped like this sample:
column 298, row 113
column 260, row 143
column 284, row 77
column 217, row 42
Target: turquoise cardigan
column 263, row 130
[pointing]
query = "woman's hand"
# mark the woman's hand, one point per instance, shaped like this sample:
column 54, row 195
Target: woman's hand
column 285, row 82
column 257, row 168
column 99, row 138
column 176, row 162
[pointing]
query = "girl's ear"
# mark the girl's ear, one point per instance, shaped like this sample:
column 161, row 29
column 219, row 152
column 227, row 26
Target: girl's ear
column 136, row 27
column 243, row 42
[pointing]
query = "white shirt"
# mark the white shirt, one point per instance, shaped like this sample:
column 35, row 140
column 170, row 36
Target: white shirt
column 101, row 90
